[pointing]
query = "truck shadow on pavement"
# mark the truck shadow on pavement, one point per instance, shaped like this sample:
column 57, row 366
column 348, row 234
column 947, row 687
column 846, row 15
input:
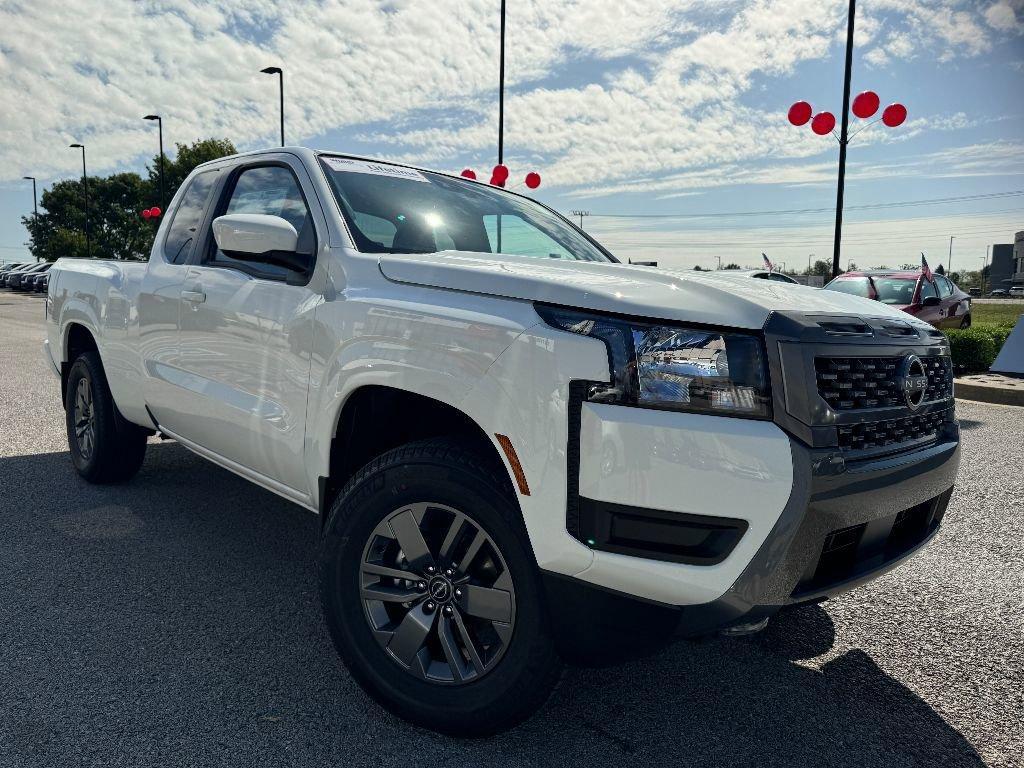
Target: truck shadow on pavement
column 175, row 620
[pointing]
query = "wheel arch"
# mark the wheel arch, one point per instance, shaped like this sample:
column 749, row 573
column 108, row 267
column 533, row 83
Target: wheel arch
column 76, row 339
column 375, row 418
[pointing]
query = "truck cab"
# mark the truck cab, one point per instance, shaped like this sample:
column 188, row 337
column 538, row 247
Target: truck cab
column 522, row 451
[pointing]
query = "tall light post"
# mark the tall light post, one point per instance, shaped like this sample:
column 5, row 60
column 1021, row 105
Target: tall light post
column 85, row 194
column 719, row 267
column 824, row 123
column 160, row 129
column 280, row 79
column 501, row 94
column 809, row 257
column 35, row 199
column 581, row 214
column 949, row 261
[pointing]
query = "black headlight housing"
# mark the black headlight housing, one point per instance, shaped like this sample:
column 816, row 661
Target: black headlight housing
column 674, row 367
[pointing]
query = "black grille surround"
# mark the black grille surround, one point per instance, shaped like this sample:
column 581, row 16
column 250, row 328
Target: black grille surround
column 845, row 391
column 854, row 383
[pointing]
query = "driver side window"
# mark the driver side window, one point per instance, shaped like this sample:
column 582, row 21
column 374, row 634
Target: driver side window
column 928, row 290
column 271, row 190
column 945, row 287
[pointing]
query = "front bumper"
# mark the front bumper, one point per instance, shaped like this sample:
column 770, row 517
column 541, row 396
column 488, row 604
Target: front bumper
column 844, row 524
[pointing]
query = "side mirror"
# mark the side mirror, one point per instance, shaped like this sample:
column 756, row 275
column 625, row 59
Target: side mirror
column 260, row 238
column 930, row 301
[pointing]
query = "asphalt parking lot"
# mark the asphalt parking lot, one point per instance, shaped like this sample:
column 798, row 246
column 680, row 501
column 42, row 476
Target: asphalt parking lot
column 174, row 621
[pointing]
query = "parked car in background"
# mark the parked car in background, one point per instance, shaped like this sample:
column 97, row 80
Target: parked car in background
column 1017, row 291
column 757, row 274
column 10, row 267
column 17, row 280
column 6, row 276
column 937, row 301
column 998, row 293
column 42, row 282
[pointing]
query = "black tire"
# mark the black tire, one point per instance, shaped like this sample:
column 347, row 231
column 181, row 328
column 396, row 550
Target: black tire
column 438, row 474
column 966, row 322
column 116, row 447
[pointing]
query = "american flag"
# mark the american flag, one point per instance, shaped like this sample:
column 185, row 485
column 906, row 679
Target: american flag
column 767, row 262
column 925, row 269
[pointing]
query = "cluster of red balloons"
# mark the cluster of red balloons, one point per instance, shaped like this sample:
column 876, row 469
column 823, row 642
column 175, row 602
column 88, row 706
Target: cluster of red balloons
column 865, row 105
column 152, row 213
column 499, row 176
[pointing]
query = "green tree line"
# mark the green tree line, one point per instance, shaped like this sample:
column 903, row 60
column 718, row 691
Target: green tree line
column 117, row 229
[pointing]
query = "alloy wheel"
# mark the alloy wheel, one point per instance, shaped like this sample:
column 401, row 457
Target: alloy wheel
column 85, row 419
column 437, row 593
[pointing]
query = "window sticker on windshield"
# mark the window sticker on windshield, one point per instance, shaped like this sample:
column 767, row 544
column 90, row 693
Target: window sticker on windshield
column 376, row 169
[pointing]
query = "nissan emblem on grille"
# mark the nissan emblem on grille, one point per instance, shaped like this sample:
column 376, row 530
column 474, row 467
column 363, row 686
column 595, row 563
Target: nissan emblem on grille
column 913, row 380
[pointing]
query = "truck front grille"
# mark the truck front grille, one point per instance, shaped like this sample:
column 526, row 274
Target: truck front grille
column 854, row 383
column 891, row 432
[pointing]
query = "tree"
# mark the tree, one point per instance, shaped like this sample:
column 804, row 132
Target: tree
column 732, row 265
column 188, row 157
column 698, row 268
column 821, row 268
column 116, row 227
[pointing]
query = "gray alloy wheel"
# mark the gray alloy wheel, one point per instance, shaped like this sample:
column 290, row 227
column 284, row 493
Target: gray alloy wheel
column 84, row 418
column 437, row 594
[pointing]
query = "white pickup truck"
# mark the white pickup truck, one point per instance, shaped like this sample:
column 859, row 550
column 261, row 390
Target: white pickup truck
column 522, row 451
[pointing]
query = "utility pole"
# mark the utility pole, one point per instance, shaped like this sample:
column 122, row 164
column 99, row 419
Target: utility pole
column 581, row 214
column 719, row 267
column 844, row 137
column 809, row 257
column 160, row 129
column 949, row 261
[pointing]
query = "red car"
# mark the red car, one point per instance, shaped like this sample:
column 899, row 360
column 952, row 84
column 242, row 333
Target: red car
column 937, row 301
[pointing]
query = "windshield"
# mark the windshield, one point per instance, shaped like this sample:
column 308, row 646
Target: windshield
column 888, row 290
column 392, row 209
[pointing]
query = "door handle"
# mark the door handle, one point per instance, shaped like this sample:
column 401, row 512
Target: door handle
column 193, row 296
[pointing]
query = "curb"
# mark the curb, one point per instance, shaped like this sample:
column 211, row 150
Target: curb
column 999, row 394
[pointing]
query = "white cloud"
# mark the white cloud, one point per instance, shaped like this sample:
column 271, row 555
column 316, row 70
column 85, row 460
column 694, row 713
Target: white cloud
column 675, row 107
column 1003, row 16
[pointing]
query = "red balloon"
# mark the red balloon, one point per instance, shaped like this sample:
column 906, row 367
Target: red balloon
column 468, row 173
column 500, row 173
column 894, row 115
column 155, row 210
column 823, row 123
column 800, row 113
column 865, row 104
column 533, row 179
column 496, row 182
column 147, row 213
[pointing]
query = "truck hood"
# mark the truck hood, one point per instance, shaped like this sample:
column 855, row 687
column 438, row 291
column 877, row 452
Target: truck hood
column 626, row 289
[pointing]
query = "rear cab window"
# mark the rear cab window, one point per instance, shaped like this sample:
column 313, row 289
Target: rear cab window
column 188, row 217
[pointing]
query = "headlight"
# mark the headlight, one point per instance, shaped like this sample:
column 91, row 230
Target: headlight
column 655, row 365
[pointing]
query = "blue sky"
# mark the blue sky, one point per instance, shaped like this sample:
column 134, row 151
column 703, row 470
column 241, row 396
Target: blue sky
column 663, row 119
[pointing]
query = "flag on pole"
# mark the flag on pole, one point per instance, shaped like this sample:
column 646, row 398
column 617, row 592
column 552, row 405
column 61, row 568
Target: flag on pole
column 767, row 262
column 925, row 269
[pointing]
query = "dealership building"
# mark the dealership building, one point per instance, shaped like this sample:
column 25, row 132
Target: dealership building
column 1007, row 266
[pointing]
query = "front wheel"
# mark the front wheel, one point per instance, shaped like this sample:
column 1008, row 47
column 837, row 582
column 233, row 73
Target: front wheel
column 432, row 595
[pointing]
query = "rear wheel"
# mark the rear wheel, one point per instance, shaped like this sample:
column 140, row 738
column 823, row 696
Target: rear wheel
column 105, row 447
column 966, row 322
column 432, row 595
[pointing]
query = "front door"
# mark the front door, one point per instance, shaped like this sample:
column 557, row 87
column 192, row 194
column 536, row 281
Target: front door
column 245, row 336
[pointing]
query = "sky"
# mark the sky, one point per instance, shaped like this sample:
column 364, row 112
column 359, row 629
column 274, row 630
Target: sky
column 666, row 121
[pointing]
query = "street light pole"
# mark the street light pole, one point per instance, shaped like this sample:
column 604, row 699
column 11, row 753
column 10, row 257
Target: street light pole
column 160, row 129
column 809, row 257
column 501, row 95
column 85, row 194
column 581, row 214
column 280, row 78
column 35, row 199
column 949, row 261
column 844, row 137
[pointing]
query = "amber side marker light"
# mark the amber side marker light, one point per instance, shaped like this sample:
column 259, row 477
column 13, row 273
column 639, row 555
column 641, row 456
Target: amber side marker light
column 513, row 460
